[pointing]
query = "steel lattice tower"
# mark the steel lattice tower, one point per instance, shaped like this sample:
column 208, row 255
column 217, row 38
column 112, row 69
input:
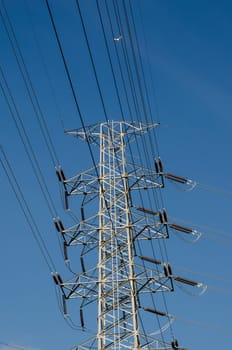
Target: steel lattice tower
column 116, row 278
column 117, row 304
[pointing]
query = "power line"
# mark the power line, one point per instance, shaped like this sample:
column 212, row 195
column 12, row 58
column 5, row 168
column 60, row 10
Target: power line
column 12, row 346
column 70, row 80
column 143, row 71
column 110, row 62
column 148, row 60
column 207, row 325
column 146, row 149
column 14, row 112
column 26, row 210
column 92, row 60
column 27, row 213
column 29, row 86
column 75, row 97
column 42, row 59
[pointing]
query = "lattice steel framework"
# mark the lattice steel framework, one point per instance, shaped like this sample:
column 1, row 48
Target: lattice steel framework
column 116, row 278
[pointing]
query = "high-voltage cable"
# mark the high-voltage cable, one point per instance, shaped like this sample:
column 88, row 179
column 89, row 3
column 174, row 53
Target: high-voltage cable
column 131, row 81
column 73, row 90
column 69, row 78
column 14, row 112
column 26, row 211
column 29, row 86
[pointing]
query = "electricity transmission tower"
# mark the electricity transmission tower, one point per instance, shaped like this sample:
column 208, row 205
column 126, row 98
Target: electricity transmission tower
column 118, row 287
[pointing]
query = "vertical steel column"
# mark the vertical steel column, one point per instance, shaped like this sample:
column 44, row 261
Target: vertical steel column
column 117, row 309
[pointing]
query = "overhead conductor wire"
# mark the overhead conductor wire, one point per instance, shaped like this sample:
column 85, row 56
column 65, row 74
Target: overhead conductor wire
column 32, row 224
column 94, row 68
column 29, row 86
column 143, row 100
column 26, row 142
column 108, row 52
column 38, row 113
column 132, row 85
column 140, row 89
column 72, row 88
column 219, row 290
column 20, row 125
column 70, row 82
column 12, row 346
column 26, row 211
column 39, row 116
column 69, row 78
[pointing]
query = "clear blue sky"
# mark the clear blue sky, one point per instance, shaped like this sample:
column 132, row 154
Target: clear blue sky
column 190, row 55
